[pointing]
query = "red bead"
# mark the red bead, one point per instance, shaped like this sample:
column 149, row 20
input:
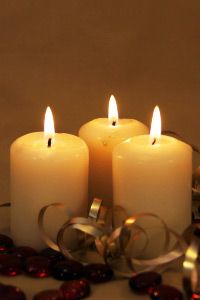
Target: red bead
column 165, row 292
column 49, row 295
column 23, row 252
column 75, row 289
column 9, row 292
column 195, row 296
column 53, row 256
column 10, row 265
column 37, row 266
column 98, row 273
column 68, row 270
column 142, row 282
column 5, row 242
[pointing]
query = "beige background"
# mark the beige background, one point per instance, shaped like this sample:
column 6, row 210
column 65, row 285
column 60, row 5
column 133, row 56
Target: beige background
column 72, row 55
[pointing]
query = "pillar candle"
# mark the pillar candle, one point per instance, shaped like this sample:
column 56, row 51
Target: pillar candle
column 101, row 136
column 152, row 174
column 46, row 168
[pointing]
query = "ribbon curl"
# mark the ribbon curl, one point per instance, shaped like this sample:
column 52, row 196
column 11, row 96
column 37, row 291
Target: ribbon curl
column 103, row 236
column 191, row 277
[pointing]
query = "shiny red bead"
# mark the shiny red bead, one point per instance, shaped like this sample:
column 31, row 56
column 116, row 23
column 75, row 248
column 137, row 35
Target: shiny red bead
column 49, row 295
column 53, row 256
column 10, row 265
column 75, row 289
column 68, row 270
column 98, row 273
column 165, row 292
column 142, row 282
column 23, row 252
column 37, row 266
column 9, row 292
column 5, row 242
column 195, row 296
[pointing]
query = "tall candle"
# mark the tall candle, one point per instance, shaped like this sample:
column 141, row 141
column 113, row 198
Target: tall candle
column 101, row 136
column 152, row 173
column 46, row 167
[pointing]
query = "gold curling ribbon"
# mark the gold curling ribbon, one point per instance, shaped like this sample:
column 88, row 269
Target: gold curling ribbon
column 94, row 211
column 146, row 264
column 95, row 214
column 91, row 227
column 41, row 226
column 190, row 269
column 85, row 225
column 112, row 216
column 105, row 249
column 111, row 240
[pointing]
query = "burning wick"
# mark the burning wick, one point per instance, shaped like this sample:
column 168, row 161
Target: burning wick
column 154, row 141
column 49, row 142
column 114, row 123
column 49, row 130
column 155, row 131
column 112, row 111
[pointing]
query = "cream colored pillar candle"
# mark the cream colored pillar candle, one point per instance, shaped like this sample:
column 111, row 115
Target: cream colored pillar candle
column 46, row 168
column 152, row 173
column 101, row 136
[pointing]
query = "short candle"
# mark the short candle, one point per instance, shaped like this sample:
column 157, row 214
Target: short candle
column 152, row 174
column 46, row 167
column 101, row 136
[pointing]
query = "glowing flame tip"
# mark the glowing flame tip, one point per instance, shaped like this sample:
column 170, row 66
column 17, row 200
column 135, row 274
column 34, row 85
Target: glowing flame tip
column 112, row 110
column 155, row 131
column 49, row 129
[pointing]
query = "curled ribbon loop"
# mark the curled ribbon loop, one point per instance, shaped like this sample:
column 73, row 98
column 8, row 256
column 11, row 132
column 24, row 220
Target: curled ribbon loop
column 86, row 226
column 107, row 234
column 94, row 211
column 122, row 256
column 116, row 216
column 41, row 226
column 190, row 270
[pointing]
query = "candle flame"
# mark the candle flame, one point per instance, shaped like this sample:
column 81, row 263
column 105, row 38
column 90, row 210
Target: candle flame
column 49, row 130
column 155, row 131
column 112, row 111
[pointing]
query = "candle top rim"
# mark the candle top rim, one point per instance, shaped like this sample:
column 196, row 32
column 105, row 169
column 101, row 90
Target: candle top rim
column 145, row 141
column 35, row 140
column 122, row 121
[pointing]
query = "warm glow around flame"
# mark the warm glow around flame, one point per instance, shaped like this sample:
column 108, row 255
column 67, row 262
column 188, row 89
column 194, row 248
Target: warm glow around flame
column 112, row 111
column 155, row 131
column 49, row 130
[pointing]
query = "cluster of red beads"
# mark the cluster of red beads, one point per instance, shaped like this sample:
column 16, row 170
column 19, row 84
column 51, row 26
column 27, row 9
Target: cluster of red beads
column 17, row 260
column 69, row 290
column 150, row 283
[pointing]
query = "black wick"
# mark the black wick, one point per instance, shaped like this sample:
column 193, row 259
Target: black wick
column 49, row 142
column 114, row 123
column 154, row 141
